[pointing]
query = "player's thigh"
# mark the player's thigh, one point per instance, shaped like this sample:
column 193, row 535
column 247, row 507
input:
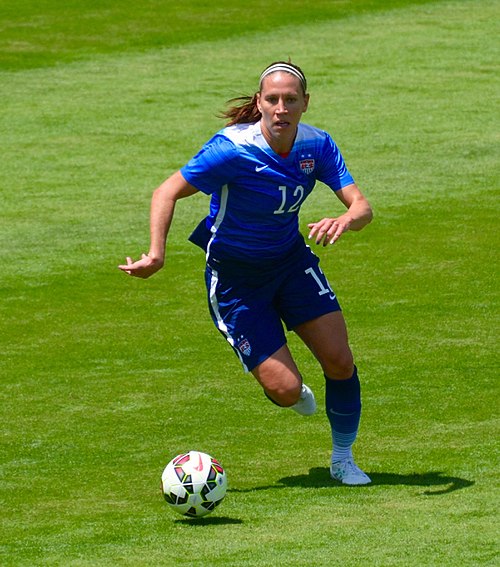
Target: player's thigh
column 280, row 377
column 245, row 316
column 327, row 338
column 305, row 293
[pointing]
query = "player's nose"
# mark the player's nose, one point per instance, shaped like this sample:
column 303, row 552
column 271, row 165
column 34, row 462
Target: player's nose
column 281, row 108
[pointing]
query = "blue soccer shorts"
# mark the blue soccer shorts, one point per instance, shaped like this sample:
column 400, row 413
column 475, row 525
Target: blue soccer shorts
column 249, row 306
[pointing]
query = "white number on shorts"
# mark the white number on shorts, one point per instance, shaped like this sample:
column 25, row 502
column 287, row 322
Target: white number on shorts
column 298, row 194
column 322, row 288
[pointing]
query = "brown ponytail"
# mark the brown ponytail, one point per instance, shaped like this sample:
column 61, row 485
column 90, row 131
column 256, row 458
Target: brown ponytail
column 243, row 111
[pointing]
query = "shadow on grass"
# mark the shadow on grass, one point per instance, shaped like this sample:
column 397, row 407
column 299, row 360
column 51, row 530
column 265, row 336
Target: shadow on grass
column 436, row 482
column 209, row 521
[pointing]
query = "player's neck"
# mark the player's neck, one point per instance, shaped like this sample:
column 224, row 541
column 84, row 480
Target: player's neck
column 280, row 144
column 281, row 147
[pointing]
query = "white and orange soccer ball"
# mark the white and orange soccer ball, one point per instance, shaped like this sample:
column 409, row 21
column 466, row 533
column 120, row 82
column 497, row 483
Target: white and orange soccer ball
column 194, row 484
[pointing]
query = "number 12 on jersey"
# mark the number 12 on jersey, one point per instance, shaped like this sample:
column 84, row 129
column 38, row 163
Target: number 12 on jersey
column 297, row 198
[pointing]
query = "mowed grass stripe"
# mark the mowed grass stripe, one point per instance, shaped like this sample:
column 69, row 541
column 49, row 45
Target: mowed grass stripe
column 40, row 34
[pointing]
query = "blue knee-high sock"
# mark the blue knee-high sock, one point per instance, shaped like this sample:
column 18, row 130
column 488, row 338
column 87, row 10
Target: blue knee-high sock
column 343, row 408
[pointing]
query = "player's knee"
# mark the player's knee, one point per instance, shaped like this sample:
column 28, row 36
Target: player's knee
column 340, row 365
column 285, row 395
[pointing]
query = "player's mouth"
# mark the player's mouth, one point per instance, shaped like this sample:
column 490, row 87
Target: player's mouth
column 282, row 124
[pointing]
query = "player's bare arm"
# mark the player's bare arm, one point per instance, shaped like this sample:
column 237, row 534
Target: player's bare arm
column 163, row 204
column 358, row 215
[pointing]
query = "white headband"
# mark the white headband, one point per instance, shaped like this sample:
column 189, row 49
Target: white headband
column 287, row 69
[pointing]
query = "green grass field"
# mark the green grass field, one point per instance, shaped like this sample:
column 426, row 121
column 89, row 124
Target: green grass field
column 105, row 378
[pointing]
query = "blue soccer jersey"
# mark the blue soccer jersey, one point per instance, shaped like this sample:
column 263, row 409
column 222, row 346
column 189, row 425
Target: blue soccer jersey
column 256, row 194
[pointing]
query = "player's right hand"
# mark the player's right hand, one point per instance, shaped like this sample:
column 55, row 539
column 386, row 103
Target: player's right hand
column 143, row 268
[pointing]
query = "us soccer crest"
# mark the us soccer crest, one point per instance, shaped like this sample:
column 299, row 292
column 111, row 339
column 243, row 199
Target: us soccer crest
column 244, row 347
column 307, row 165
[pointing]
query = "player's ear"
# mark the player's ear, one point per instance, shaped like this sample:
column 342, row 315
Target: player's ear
column 306, row 102
column 257, row 102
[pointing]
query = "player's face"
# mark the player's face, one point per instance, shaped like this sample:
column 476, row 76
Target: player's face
column 281, row 102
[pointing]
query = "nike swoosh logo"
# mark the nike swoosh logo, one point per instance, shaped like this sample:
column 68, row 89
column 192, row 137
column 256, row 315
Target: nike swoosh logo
column 259, row 168
column 200, row 464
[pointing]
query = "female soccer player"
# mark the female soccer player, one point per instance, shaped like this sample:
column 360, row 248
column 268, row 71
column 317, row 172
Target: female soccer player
column 258, row 171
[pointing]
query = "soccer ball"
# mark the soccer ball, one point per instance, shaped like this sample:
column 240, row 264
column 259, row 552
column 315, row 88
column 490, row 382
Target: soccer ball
column 193, row 484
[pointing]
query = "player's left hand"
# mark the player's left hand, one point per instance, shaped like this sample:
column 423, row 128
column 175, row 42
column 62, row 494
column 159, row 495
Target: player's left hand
column 329, row 230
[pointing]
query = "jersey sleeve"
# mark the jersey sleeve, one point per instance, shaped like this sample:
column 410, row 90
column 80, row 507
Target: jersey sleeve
column 333, row 171
column 213, row 166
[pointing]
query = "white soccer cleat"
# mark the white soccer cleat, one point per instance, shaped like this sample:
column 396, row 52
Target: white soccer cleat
column 307, row 403
column 347, row 472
